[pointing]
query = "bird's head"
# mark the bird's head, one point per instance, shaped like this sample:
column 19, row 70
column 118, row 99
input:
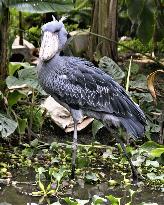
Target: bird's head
column 53, row 39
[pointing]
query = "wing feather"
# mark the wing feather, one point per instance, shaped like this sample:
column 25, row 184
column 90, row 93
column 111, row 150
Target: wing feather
column 81, row 85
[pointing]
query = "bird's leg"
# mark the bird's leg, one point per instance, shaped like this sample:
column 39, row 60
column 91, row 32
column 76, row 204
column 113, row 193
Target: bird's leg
column 74, row 150
column 134, row 171
column 76, row 115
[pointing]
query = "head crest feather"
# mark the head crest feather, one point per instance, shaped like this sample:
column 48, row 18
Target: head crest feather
column 53, row 17
column 63, row 18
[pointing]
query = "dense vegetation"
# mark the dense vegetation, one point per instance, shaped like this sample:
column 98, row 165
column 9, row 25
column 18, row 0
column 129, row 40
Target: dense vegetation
column 33, row 146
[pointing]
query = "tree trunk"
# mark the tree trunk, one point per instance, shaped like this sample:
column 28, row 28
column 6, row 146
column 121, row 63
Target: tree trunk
column 112, row 30
column 104, row 23
column 4, row 25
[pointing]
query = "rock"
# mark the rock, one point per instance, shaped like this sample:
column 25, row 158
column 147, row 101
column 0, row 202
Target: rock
column 26, row 44
column 77, row 44
column 85, row 122
column 62, row 117
column 22, row 52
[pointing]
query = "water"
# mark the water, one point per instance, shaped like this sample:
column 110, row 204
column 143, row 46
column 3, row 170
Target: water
column 18, row 191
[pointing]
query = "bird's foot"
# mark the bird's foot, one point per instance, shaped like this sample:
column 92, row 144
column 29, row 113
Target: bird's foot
column 73, row 172
column 135, row 179
column 135, row 176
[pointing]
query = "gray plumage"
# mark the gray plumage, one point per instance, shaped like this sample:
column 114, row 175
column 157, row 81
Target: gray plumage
column 85, row 89
column 78, row 85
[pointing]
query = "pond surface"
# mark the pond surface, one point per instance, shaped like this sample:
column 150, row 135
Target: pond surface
column 18, row 191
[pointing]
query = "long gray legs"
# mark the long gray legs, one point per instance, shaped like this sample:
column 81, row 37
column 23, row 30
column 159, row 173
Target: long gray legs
column 134, row 171
column 77, row 116
column 74, row 150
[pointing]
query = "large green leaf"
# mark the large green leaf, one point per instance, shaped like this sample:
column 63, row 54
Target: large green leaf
column 96, row 126
column 26, row 76
column 97, row 200
column 110, row 67
column 91, row 177
column 13, row 67
column 143, row 12
column 152, row 176
column 113, row 199
column 147, row 21
column 7, row 126
column 82, row 4
column 70, row 201
column 140, row 82
column 150, row 145
column 134, row 9
column 14, row 96
column 157, row 152
column 22, row 125
column 42, row 6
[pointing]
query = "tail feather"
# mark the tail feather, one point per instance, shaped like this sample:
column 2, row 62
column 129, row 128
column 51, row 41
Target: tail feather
column 133, row 127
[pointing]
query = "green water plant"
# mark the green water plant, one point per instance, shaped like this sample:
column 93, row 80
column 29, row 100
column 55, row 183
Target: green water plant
column 54, row 183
